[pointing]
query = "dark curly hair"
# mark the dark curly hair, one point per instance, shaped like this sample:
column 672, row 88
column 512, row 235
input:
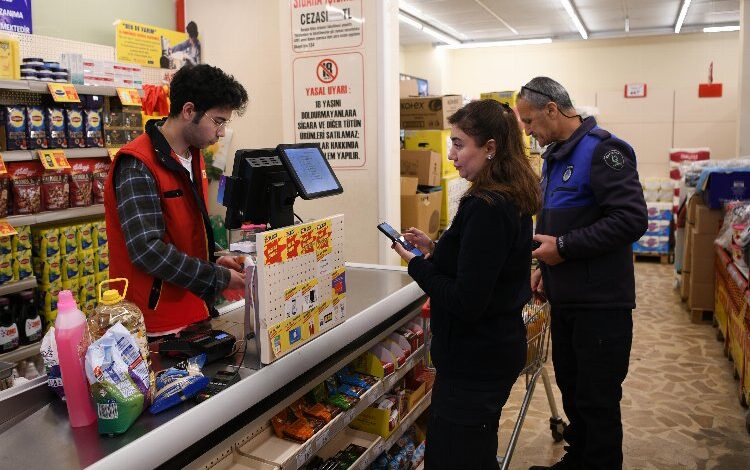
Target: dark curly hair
column 206, row 87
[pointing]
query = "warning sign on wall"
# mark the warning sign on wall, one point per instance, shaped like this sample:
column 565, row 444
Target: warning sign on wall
column 329, row 106
column 326, row 24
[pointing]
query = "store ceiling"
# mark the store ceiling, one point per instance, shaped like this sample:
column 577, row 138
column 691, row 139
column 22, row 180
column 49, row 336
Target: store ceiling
column 468, row 20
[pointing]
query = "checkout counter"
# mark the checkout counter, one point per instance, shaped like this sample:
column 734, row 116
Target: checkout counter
column 34, row 428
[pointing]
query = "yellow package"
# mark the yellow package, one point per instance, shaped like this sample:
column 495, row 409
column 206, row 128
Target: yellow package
column 36, row 264
column 87, row 263
column 100, row 234
column 85, row 237
column 101, row 277
column 102, row 261
column 49, row 317
column 73, row 286
column 88, row 307
column 87, row 288
column 22, row 267
column 70, row 266
column 6, row 245
column 22, row 240
column 50, row 270
column 6, row 269
column 46, row 242
column 48, row 294
column 68, row 240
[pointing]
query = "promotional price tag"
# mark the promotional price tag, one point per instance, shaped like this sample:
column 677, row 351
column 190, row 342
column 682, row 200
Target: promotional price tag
column 323, row 438
column 6, row 229
column 113, row 151
column 129, row 97
column 53, row 159
column 63, row 92
column 304, row 455
column 3, row 169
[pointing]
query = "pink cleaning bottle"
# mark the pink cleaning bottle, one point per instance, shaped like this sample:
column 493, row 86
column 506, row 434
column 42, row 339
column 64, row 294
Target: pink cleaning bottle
column 70, row 335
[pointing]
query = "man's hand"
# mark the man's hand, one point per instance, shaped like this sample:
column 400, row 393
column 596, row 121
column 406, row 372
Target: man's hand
column 547, row 253
column 537, row 284
column 236, row 280
column 231, row 262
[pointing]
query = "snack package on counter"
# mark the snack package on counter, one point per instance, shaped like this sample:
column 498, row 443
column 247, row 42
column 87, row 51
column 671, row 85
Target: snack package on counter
column 179, row 383
column 54, row 119
column 85, row 237
column 48, row 352
column 4, row 196
column 119, row 379
column 22, row 240
column 22, row 266
column 55, row 190
column 15, row 128
column 46, row 242
column 81, row 185
column 26, row 187
column 68, row 240
column 94, row 134
column 36, row 128
column 75, row 127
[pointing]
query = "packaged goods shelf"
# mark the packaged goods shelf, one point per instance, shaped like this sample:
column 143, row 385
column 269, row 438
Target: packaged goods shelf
column 13, row 287
column 56, row 216
column 288, row 455
column 28, row 155
column 36, row 86
column 21, row 353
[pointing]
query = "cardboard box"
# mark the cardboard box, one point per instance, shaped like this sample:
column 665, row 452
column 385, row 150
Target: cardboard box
column 707, row 220
column 685, row 285
column 429, row 112
column 413, row 397
column 508, row 97
column 407, row 88
column 409, row 185
column 726, row 186
column 454, row 188
column 437, row 141
column 701, row 295
column 375, row 421
column 422, row 210
column 424, row 164
column 700, row 258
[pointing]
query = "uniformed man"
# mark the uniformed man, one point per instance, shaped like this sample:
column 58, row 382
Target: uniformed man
column 593, row 210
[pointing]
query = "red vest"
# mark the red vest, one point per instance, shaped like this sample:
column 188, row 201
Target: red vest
column 165, row 306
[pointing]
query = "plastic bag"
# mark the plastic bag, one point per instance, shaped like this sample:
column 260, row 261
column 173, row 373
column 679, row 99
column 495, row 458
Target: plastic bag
column 178, row 384
column 48, row 352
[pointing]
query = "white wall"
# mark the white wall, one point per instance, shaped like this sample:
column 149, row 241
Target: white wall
column 595, row 72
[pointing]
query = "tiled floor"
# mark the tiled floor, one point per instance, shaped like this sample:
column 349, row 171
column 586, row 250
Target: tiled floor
column 680, row 406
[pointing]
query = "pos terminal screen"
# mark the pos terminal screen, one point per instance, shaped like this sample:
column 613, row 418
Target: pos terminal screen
column 310, row 170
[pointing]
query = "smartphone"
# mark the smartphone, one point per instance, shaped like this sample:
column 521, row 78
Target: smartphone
column 394, row 236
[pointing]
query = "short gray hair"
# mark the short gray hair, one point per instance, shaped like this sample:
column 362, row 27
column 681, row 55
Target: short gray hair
column 542, row 90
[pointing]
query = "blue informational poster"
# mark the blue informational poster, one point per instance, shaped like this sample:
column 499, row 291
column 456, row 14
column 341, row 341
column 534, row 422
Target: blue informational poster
column 15, row 16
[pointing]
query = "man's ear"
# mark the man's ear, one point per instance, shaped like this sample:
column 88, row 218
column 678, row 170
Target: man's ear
column 188, row 111
column 551, row 109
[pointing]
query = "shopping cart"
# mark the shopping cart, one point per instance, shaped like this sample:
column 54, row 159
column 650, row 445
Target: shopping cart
column 536, row 317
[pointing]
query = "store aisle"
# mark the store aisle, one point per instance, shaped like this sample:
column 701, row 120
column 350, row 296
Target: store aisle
column 680, row 406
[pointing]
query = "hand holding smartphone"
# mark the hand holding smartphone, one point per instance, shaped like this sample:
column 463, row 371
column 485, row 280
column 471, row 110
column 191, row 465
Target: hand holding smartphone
column 396, row 237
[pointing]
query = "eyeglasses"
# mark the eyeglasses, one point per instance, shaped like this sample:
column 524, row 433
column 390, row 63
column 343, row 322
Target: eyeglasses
column 538, row 93
column 218, row 124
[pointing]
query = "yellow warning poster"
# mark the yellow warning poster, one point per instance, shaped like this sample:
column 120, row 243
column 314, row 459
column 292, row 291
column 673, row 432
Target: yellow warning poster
column 152, row 46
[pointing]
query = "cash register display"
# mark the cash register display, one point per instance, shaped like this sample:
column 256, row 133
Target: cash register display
column 310, row 170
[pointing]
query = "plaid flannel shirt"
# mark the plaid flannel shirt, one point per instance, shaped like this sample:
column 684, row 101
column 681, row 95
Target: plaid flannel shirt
column 142, row 221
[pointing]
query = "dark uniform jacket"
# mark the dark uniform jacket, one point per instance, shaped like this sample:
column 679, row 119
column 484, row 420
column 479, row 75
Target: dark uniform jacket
column 593, row 202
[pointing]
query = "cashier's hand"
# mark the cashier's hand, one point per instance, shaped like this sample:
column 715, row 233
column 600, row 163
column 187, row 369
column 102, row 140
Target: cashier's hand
column 232, row 262
column 236, row 280
column 547, row 253
column 419, row 239
column 537, row 285
column 405, row 255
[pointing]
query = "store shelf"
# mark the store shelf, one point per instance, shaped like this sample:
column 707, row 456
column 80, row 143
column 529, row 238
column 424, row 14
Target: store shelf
column 381, row 445
column 23, row 352
column 28, row 155
column 36, row 86
column 13, row 287
column 290, row 456
column 56, row 216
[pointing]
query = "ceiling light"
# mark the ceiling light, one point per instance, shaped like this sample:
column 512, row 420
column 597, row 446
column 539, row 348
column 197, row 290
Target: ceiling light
column 681, row 17
column 721, row 29
column 413, row 23
column 440, row 36
column 505, row 23
column 627, row 24
column 419, row 14
column 576, row 19
column 513, row 42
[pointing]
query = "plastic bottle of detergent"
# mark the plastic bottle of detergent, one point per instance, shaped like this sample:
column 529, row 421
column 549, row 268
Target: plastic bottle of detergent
column 70, row 336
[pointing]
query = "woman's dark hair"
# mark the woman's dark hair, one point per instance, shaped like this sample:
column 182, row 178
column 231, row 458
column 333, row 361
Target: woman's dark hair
column 509, row 172
column 206, row 87
column 192, row 30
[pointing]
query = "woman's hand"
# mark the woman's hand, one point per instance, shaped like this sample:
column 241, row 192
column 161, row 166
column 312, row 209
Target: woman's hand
column 419, row 239
column 402, row 252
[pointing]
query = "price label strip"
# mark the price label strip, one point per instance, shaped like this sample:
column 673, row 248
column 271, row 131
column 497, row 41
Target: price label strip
column 112, row 152
column 6, row 229
column 63, row 92
column 53, row 159
column 3, row 168
column 129, row 97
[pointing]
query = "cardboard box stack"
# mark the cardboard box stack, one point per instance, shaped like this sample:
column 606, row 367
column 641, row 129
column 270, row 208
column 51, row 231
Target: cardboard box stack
column 698, row 274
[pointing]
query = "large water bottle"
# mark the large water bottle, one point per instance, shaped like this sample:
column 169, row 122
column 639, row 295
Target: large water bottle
column 70, row 336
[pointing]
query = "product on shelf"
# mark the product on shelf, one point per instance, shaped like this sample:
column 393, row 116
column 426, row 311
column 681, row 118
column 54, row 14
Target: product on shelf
column 54, row 120
column 93, row 120
column 85, row 237
column 22, row 267
column 9, row 339
column 26, row 185
column 30, row 323
column 68, row 236
column 55, row 190
column 10, row 59
column 4, row 196
column 36, row 128
column 295, row 427
column 6, row 269
column 75, row 127
column 48, row 350
column 81, row 185
column 14, row 118
column 22, row 240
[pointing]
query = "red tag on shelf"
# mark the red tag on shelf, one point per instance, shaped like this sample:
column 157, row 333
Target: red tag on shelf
column 6, row 229
column 3, row 168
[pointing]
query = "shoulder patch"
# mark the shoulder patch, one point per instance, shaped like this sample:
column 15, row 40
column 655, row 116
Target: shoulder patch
column 614, row 159
column 601, row 133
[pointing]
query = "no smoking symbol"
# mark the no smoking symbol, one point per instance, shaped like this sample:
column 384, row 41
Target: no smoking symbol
column 327, row 70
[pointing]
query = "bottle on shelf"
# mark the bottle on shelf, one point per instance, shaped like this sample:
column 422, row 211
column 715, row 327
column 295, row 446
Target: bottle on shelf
column 8, row 328
column 30, row 323
column 70, row 336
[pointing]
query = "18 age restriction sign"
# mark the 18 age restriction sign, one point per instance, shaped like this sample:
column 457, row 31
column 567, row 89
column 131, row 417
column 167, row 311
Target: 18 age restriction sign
column 327, row 70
